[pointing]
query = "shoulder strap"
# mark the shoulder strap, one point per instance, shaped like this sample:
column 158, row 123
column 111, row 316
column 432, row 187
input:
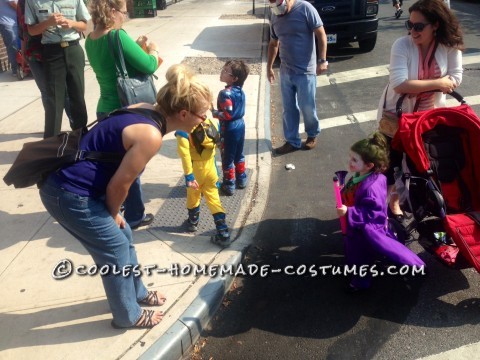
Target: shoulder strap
column 153, row 115
column 117, row 48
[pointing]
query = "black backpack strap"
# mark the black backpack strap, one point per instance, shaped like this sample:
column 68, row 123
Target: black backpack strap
column 98, row 156
column 153, row 115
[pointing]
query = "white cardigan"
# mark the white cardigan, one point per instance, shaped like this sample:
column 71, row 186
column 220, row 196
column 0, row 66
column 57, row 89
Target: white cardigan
column 404, row 66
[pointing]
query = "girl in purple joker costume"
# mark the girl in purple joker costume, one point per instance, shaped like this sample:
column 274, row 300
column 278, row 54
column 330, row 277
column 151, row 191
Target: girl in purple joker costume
column 365, row 206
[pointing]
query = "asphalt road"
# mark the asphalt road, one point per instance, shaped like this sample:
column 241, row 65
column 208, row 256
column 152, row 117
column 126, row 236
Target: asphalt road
column 302, row 316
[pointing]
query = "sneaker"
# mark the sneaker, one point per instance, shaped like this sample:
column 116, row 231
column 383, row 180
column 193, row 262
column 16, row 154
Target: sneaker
column 147, row 220
column 310, row 143
column 191, row 226
column 193, row 219
column 398, row 13
column 285, row 149
column 241, row 183
column 226, row 190
column 222, row 239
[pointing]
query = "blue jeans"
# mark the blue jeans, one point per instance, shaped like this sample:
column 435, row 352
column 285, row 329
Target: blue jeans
column 298, row 94
column 134, row 206
column 89, row 221
column 10, row 39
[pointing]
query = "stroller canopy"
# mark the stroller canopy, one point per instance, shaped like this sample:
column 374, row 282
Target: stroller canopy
column 412, row 126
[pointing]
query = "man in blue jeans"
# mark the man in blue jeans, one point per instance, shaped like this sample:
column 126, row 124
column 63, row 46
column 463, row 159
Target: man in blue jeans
column 9, row 31
column 294, row 26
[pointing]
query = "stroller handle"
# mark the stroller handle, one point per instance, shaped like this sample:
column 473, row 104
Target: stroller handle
column 454, row 94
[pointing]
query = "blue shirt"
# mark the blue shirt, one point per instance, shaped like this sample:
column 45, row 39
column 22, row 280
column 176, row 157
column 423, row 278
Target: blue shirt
column 8, row 15
column 231, row 103
column 90, row 178
column 295, row 30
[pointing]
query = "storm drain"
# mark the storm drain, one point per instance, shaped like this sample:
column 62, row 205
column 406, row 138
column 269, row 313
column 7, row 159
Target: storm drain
column 173, row 213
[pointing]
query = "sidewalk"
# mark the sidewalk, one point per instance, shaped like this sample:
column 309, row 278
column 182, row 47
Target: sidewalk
column 41, row 317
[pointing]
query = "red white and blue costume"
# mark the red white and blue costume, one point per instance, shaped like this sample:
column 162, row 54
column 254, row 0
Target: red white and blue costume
column 231, row 110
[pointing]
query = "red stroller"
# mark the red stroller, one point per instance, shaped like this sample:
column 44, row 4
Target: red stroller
column 443, row 182
column 22, row 65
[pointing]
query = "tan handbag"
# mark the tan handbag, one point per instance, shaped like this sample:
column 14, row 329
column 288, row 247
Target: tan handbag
column 388, row 124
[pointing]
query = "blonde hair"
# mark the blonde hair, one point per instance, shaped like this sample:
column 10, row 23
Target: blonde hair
column 183, row 91
column 101, row 11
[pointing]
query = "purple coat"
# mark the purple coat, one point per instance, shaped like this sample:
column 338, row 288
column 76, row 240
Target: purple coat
column 367, row 238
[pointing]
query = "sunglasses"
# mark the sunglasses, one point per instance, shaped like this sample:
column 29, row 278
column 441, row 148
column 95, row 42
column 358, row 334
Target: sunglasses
column 201, row 117
column 418, row 27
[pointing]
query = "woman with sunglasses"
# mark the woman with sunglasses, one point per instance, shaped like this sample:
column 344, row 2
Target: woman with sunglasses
column 85, row 197
column 108, row 17
column 428, row 59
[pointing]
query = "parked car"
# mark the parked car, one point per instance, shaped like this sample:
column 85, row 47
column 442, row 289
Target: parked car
column 349, row 21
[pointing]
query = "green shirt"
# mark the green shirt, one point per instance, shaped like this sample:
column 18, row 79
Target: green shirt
column 101, row 60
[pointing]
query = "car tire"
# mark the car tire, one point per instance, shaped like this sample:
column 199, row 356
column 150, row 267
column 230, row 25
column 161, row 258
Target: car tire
column 367, row 45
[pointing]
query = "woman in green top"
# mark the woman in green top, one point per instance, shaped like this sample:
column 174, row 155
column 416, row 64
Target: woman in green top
column 140, row 58
column 109, row 15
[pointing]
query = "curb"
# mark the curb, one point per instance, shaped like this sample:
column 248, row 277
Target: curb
column 185, row 332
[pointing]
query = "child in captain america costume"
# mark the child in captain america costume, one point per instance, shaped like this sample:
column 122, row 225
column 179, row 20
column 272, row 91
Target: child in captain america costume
column 197, row 152
column 230, row 112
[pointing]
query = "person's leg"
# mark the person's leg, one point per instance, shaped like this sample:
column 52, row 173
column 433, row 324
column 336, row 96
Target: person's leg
column 291, row 112
column 36, row 67
column 239, row 159
column 395, row 160
column 209, row 187
column 90, row 222
column 75, row 82
column 55, row 75
column 193, row 201
column 134, row 206
column 68, row 109
column 228, row 157
column 10, row 39
column 307, row 86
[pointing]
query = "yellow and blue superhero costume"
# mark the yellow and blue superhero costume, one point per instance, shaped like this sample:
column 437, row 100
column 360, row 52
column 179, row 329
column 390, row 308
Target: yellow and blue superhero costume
column 197, row 152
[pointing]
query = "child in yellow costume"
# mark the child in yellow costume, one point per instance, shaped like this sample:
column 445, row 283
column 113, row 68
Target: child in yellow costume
column 197, row 151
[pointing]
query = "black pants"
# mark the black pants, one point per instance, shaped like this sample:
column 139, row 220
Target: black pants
column 64, row 67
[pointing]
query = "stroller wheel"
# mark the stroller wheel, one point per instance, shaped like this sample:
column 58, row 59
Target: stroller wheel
column 20, row 73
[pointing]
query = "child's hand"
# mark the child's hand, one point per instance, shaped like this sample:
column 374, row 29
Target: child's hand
column 341, row 211
column 193, row 184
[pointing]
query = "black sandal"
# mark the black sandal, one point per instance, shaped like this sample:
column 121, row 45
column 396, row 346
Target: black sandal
column 152, row 299
column 145, row 321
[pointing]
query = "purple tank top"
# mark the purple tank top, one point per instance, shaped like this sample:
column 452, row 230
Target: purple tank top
column 90, row 178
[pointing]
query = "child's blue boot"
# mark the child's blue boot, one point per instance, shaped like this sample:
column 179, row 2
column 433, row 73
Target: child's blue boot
column 222, row 238
column 193, row 219
column 240, row 175
column 228, row 185
column 241, row 181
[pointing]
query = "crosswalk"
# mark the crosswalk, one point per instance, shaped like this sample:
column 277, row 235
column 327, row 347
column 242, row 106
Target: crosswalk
column 369, row 73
